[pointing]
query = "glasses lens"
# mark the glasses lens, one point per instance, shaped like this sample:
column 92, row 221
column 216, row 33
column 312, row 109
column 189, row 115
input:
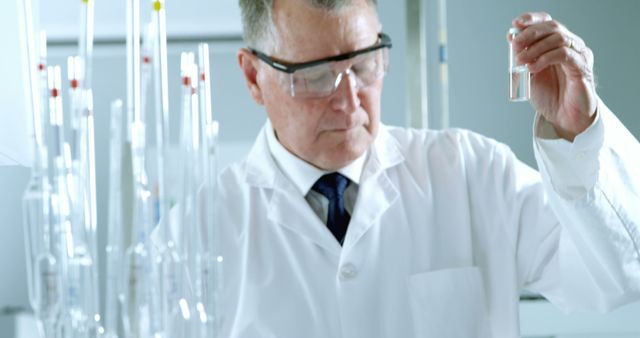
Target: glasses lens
column 316, row 81
column 322, row 80
column 370, row 67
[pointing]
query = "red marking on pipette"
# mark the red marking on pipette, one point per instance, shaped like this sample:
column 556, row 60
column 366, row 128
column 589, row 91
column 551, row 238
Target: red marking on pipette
column 54, row 92
column 41, row 66
column 186, row 81
column 74, row 84
column 146, row 59
column 203, row 77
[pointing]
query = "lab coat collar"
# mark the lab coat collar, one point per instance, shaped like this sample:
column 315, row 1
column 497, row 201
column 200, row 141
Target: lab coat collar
column 377, row 192
column 385, row 153
column 260, row 165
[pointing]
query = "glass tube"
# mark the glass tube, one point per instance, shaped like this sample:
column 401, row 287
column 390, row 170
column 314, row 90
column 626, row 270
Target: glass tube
column 91, row 207
column 36, row 195
column 161, row 86
column 182, row 315
column 519, row 76
column 168, row 264
column 212, row 263
column 27, row 13
column 85, row 46
column 48, row 295
column 197, row 246
column 44, row 94
column 137, row 310
column 205, row 83
column 146, row 67
column 60, row 205
column 83, row 273
column 133, row 63
column 114, row 240
column 85, row 41
column 43, row 274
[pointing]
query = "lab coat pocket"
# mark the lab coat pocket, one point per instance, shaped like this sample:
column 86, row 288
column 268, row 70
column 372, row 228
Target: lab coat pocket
column 449, row 303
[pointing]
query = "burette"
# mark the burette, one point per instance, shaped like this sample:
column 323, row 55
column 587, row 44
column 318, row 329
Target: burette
column 43, row 279
column 114, row 236
column 136, row 297
column 209, row 133
column 161, row 87
column 34, row 198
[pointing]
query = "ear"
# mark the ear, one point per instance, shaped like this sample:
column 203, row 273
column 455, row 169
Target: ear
column 248, row 64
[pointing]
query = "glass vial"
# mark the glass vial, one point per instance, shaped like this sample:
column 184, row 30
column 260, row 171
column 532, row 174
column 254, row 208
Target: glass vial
column 519, row 77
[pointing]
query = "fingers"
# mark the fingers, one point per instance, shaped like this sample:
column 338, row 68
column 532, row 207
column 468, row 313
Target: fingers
column 542, row 46
column 528, row 19
column 535, row 33
column 576, row 64
column 544, row 42
column 556, row 56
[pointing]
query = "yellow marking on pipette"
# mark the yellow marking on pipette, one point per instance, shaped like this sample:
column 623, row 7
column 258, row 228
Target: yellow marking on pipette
column 157, row 6
column 85, row 1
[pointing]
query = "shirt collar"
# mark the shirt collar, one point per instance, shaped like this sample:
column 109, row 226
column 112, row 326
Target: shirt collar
column 304, row 175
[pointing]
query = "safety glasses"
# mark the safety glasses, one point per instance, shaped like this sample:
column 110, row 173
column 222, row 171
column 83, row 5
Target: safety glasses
column 320, row 78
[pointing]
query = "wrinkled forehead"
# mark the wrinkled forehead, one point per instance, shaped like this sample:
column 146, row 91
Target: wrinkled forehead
column 303, row 32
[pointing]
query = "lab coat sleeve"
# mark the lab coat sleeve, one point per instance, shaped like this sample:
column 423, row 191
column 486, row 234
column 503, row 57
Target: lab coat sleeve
column 593, row 187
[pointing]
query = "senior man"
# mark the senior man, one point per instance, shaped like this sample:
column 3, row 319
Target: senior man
column 338, row 226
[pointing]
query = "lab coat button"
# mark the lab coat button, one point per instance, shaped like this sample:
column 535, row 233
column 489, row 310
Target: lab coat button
column 348, row 271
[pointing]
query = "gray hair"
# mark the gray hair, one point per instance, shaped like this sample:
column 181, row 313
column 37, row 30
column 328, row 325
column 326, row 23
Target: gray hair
column 257, row 21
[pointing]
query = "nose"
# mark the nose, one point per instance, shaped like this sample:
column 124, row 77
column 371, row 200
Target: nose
column 346, row 96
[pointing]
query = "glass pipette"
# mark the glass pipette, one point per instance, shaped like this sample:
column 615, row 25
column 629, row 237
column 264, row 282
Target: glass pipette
column 85, row 41
column 27, row 15
column 161, row 86
column 137, row 305
column 91, row 222
column 133, row 63
column 36, row 196
column 114, row 240
column 178, row 294
column 137, row 261
column 83, row 272
column 146, row 69
column 209, row 135
column 195, row 226
column 60, row 204
column 85, row 46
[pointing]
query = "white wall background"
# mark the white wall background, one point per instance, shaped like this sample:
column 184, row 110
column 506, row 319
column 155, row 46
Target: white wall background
column 479, row 62
column 478, row 82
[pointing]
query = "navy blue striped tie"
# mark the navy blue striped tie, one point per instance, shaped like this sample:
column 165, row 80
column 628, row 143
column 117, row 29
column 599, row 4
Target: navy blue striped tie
column 332, row 186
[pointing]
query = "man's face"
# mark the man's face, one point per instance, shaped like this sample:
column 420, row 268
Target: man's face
column 333, row 131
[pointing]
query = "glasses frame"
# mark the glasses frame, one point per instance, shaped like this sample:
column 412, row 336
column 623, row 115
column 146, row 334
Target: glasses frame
column 290, row 68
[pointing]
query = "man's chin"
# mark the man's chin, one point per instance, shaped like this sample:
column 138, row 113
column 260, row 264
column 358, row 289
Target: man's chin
column 344, row 155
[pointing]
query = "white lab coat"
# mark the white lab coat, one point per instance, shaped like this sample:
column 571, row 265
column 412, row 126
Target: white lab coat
column 448, row 227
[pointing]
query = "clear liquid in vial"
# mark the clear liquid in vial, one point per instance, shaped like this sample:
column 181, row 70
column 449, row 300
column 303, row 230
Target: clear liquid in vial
column 519, row 83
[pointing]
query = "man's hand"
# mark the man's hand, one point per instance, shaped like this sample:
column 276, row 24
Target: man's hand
column 562, row 83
